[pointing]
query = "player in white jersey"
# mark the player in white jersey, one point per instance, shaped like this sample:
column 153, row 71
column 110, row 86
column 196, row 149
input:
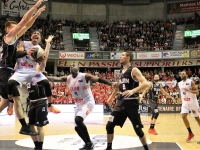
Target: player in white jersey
column 80, row 89
column 188, row 92
column 28, row 69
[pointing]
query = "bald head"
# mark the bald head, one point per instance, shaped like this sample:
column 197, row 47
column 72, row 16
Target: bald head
column 74, row 69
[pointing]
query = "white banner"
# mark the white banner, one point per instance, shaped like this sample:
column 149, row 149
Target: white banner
column 149, row 55
column 16, row 7
column 176, row 54
column 72, row 55
column 116, row 64
column 116, row 55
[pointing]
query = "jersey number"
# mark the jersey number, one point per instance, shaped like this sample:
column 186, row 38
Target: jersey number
column 123, row 87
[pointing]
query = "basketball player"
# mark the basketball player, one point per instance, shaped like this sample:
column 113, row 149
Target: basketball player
column 128, row 100
column 27, row 68
column 37, row 113
column 188, row 92
column 79, row 88
column 7, row 61
column 154, row 90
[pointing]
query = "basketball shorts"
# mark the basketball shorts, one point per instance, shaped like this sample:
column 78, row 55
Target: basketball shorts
column 29, row 77
column 190, row 107
column 37, row 113
column 84, row 110
column 126, row 111
column 5, row 74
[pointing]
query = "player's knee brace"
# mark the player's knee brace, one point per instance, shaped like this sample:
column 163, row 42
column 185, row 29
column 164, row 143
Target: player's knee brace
column 139, row 132
column 47, row 87
column 155, row 114
column 110, row 127
column 11, row 85
column 78, row 120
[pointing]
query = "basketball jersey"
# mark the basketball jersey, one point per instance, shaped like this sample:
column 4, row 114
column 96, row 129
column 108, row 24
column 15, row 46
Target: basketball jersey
column 26, row 63
column 7, row 55
column 186, row 96
column 154, row 92
column 79, row 88
column 126, row 82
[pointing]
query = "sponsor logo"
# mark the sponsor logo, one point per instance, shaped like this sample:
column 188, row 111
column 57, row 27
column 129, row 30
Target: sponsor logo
column 38, row 75
column 166, row 54
column 195, row 53
column 81, row 80
column 62, row 54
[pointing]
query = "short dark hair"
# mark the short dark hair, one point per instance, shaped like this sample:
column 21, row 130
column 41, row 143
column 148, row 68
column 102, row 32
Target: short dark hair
column 130, row 54
column 35, row 31
column 9, row 23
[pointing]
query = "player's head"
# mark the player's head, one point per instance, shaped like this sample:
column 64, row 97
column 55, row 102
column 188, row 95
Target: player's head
column 9, row 25
column 183, row 75
column 35, row 37
column 74, row 69
column 156, row 78
column 126, row 57
column 38, row 55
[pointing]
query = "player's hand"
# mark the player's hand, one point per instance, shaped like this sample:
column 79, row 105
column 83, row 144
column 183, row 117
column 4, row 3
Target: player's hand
column 39, row 2
column 49, row 38
column 141, row 99
column 41, row 10
column 127, row 93
column 30, row 51
column 115, row 85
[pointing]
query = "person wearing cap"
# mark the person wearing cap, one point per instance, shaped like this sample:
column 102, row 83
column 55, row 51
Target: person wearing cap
column 7, row 61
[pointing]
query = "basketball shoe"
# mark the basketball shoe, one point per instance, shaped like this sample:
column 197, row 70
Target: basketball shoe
column 88, row 146
column 10, row 109
column 153, row 131
column 190, row 137
column 53, row 109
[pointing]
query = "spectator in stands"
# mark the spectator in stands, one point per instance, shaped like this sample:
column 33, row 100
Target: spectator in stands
column 189, row 72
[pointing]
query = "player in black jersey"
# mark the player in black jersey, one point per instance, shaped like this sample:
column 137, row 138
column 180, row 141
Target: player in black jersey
column 154, row 90
column 128, row 100
column 37, row 113
column 8, row 59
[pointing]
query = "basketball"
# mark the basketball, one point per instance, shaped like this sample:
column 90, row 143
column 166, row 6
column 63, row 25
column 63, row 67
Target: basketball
column 37, row 54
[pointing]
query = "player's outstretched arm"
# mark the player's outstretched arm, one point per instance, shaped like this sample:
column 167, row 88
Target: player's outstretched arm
column 31, row 21
column 97, row 79
column 14, row 31
column 52, row 78
column 166, row 94
column 46, row 51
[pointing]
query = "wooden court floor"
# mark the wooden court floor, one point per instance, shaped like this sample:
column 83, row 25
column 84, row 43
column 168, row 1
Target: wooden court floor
column 170, row 128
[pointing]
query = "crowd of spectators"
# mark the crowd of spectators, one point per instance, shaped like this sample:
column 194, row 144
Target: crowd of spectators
column 45, row 28
column 139, row 35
